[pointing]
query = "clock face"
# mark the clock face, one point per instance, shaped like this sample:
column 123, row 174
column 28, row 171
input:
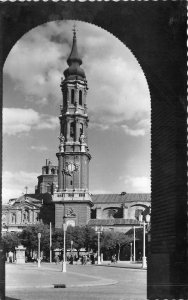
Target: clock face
column 71, row 167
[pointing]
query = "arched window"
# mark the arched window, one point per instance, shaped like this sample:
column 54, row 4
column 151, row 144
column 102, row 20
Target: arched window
column 81, row 128
column 13, row 219
column 26, row 216
column 72, row 96
column 80, row 97
column 72, row 130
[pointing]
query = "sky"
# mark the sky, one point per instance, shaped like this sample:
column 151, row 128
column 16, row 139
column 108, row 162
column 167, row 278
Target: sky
column 118, row 103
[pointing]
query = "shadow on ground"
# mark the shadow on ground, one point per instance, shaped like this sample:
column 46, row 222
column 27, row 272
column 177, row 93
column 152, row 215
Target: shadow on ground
column 10, row 298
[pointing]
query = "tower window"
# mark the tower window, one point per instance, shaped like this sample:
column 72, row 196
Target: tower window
column 81, row 128
column 80, row 97
column 72, row 96
column 72, row 129
column 71, row 182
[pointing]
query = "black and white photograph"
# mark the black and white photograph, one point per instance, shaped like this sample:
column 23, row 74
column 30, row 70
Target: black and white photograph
column 94, row 150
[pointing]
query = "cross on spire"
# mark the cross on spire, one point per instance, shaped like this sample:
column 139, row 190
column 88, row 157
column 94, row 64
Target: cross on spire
column 74, row 30
column 26, row 188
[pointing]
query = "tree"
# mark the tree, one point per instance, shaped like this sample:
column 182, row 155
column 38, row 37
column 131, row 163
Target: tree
column 57, row 239
column 29, row 238
column 10, row 241
column 111, row 242
column 76, row 234
column 121, row 240
column 90, row 238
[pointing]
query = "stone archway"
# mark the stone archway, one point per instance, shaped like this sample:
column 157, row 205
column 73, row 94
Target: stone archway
column 156, row 34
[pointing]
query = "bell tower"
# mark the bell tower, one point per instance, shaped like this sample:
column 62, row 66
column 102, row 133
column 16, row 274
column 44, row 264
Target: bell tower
column 72, row 200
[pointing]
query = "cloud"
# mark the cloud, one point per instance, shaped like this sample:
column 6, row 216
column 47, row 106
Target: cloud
column 39, row 148
column 20, row 120
column 140, row 128
column 15, row 182
column 133, row 128
column 118, row 90
column 135, row 184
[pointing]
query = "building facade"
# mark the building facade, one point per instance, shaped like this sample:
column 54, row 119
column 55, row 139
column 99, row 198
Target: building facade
column 19, row 213
column 119, row 212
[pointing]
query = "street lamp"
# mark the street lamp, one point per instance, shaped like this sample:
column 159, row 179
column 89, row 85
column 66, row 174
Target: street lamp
column 144, row 263
column 99, row 231
column 147, row 218
column 131, row 254
column 134, row 256
column 39, row 236
column 64, row 248
column 50, row 242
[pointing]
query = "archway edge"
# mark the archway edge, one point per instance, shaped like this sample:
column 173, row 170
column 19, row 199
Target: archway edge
column 156, row 34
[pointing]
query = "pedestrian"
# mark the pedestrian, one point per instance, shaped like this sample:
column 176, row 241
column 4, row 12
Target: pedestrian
column 57, row 259
column 113, row 259
column 92, row 259
column 71, row 260
column 84, row 259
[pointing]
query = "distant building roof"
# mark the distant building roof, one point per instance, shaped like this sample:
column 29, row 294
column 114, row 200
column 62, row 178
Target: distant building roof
column 120, row 198
column 112, row 222
column 5, row 206
column 28, row 198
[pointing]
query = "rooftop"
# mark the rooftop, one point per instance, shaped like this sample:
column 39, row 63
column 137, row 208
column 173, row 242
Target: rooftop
column 112, row 222
column 120, row 198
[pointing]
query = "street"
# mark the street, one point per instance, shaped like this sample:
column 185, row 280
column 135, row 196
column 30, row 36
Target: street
column 93, row 282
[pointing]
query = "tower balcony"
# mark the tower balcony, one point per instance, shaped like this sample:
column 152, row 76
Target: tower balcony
column 69, row 196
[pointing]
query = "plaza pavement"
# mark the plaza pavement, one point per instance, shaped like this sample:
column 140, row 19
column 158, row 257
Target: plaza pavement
column 29, row 275
column 106, row 281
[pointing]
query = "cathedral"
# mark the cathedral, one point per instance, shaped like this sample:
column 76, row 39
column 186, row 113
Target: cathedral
column 64, row 189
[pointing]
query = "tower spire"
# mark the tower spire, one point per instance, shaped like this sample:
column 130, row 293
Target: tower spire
column 74, row 56
column 74, row 61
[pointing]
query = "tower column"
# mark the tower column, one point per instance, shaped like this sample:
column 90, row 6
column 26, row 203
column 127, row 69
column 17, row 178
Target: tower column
column 68, row 130
column 60, row 181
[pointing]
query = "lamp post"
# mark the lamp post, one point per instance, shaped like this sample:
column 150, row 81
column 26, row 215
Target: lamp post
column 64, row 248
column 131, row 254
column 147, row 218
column 144, row 264
column 134, row 258
column 50, row 242
column 99, row 231
column 39, row 236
